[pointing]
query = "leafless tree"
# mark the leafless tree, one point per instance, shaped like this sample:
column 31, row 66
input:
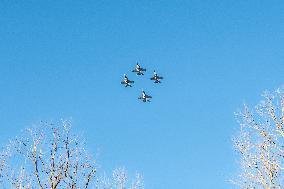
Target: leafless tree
column 48, row 156
column 120, row 180
column 260, row 143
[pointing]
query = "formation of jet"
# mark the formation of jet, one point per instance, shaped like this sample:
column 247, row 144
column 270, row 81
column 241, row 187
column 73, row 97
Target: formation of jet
column 140, row 71
column 144, row 97
column 126, row 82
column 156, row 78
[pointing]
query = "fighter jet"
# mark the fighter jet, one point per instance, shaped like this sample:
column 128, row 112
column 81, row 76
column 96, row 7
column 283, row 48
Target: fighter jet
column 156, row 78
column 144, row 97
column 126, row 82
column 139, row 70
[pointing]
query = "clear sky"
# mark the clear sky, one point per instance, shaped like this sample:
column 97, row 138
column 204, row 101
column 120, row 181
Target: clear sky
column 62, row 59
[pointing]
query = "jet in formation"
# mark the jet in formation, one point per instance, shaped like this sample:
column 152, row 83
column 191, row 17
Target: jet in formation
column 144, row 97
column 126, row 82
column 156, row 78
column 139, row 70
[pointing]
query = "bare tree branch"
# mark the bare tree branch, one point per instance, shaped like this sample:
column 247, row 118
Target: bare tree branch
column 260, row 143
column 47, row 156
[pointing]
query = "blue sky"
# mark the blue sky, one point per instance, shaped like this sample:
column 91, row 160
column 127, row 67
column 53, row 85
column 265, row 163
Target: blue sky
column 62, row 59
